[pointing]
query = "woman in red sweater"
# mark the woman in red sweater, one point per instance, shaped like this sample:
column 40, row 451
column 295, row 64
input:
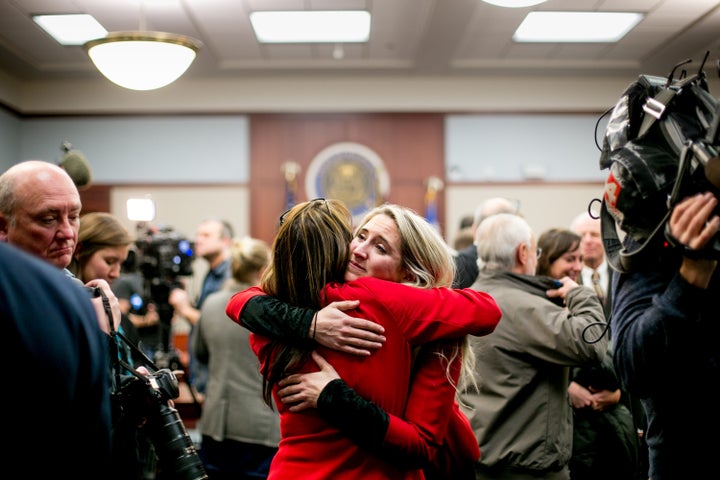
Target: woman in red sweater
column 312, row 446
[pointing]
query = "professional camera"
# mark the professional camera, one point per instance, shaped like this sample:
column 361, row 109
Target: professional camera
column 142, row 402
column 163, row 253
column 140, row 405
column 162, row 256
column 661, row 144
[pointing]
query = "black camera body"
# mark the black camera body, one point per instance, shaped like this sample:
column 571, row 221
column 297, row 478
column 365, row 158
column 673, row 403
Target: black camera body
column 142, row 402
column 164, row 254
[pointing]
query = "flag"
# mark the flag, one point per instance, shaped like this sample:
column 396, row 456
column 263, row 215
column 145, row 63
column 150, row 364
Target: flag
column 290, row 171
column 434, row 185
column 289, row 195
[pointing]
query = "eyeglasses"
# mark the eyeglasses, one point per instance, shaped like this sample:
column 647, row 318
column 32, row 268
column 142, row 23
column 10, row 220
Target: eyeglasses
column 539, row 252
column 314, row 200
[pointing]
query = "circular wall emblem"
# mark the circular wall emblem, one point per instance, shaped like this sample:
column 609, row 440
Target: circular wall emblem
column 350, row 172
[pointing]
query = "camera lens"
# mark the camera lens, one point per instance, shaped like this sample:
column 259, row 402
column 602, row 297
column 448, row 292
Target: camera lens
column 175, row 449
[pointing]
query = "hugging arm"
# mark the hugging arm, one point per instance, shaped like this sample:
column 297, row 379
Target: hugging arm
column 418, row 440
column 330, row 327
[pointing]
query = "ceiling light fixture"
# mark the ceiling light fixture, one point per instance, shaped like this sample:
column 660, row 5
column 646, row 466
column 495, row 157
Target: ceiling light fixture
column 514, row 3
column 70, row 29
column 142, row 60
column 326, row 26
column 576, row 27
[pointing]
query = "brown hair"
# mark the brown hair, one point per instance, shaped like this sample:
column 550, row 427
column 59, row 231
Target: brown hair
column 98, row 230
column 311, row 249
column 555, row 243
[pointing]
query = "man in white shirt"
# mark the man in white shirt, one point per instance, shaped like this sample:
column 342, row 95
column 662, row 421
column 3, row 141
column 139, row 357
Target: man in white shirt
column 591, row 248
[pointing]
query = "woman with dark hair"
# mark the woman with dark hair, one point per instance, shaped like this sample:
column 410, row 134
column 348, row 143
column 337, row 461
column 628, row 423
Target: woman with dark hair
column 561, row 255
column 310, row 250
column 605, row 442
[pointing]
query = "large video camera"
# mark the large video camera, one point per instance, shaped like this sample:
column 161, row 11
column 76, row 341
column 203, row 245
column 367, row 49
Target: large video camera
column 164, row 254
column 661, row 144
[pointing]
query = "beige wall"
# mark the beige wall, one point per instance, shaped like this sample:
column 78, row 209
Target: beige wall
column 183, row 208
column 544, row 205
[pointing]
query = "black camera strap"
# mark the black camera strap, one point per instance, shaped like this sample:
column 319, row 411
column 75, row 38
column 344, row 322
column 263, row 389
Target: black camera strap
column 113, row 345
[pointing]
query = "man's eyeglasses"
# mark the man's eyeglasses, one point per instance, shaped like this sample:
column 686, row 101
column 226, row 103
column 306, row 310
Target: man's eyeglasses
column 314, row 200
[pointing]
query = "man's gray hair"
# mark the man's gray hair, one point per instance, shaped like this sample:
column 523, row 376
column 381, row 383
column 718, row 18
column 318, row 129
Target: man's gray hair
column 493, row 206
column 498, row 238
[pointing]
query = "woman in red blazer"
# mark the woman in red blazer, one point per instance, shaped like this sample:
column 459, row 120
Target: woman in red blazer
column 349, row 438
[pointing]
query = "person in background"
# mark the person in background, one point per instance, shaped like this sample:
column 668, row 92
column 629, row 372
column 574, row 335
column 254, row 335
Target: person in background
column 560, row 254
column 212, row 243
column 390, row 240
column 605, row 441
column 466, row 261
column 56, row 361
column 134, row 300
column 664, row 331
column 40, row 213
column 103, row 244
column 597, row 274
column 311, row 446
column 520, row 412
column 463, row 239
column 240, row 433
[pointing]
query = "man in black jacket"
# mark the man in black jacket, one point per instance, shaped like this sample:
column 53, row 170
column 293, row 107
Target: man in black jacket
column 466, row 261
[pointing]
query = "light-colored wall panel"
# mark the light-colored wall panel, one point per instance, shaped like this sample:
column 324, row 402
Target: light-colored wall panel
column 544, row 205
column 183, row 208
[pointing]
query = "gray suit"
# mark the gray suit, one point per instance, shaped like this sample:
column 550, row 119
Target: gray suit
column 233, row 407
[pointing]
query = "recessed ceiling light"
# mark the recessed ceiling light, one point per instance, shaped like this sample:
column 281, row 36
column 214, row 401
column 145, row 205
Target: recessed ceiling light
column 344, row 26
column 75, row 29
column 578, row 27
column 514, row 3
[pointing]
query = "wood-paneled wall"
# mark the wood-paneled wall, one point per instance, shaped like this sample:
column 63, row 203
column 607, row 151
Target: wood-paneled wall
column 410, row 145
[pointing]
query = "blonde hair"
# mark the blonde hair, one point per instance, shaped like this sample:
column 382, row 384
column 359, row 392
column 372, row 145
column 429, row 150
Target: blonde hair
column 425, row 255
column 249, row 258
column 430, row 263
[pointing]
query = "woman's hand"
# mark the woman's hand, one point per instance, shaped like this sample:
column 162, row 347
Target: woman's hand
column 604, row 399
column 580, row 397
column 302, row 390
column 334, row 329
column 97, row 302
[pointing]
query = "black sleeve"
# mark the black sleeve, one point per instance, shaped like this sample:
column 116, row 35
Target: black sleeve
column 272, row 318
column 361, row 420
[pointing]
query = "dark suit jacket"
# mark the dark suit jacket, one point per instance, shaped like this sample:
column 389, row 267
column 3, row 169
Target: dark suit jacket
column 466, row 267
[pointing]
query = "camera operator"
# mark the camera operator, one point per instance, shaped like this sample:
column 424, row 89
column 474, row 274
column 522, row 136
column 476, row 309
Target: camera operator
column 212, row 242
column 665, row 332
